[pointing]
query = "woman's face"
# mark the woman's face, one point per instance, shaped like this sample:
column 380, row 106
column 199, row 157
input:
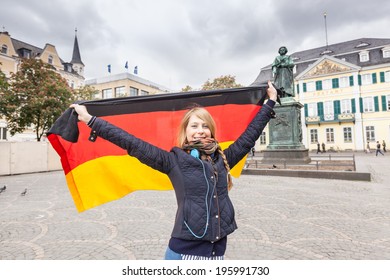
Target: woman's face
column 197, row 129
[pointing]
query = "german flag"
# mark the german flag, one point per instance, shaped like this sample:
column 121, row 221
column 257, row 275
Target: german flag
column 99, row 172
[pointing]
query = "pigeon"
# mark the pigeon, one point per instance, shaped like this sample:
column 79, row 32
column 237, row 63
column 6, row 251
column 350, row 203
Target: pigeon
column 3, row 189
column 24, row 192
column 274, row 166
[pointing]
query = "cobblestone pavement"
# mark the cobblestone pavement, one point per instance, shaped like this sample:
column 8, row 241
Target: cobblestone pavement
column 278, row 218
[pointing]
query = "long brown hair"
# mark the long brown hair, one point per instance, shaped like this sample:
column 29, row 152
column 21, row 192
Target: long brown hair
column 204, row 115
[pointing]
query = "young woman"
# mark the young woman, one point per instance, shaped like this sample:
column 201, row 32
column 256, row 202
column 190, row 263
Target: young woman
column 199, row 172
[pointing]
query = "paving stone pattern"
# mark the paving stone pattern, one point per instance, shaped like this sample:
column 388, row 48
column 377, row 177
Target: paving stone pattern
column 279, row 218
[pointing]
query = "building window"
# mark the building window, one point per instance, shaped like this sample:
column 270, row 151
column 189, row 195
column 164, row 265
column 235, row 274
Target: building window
column 328, row 111
column 364, row 56
column 329, row 135
column 120, row 91
column 368, row 104
column 263, row 139
column 133, row 91
column 388, row 103
column 311, row 86
column 3, row 133
column 370, row 133
column 4, row 49
column 72, row 84
column 347, row 134
column 312, row 109
column 50, row 59
column 313, row 136
column 367, row 79
column 346, row 106
column 387, row 76
column 344, row 82
column 386, row 52
column 327, row 84
column 107, row 93
column 144, row 92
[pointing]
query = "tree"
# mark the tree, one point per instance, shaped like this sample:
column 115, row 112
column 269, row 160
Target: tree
column 187, row 88
column 222, row 82
column 37, row 96
column 84, row 93
column 3, row 83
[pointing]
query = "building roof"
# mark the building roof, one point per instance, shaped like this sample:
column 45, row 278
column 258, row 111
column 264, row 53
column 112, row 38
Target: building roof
column 35, row 51
column 347, row 51
column 76, row 57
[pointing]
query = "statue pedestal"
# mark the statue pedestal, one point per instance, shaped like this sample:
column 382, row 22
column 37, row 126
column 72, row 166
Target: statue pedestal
column 285, row 145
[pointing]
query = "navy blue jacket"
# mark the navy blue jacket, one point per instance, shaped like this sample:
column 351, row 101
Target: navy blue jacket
column 205, row 211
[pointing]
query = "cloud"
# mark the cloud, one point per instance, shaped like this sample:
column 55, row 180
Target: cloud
column 182, row 42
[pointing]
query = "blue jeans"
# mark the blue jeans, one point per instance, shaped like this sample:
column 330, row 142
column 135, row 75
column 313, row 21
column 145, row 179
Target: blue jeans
column 171, row 255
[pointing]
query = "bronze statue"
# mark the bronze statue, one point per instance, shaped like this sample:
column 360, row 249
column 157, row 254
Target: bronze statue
column 282, row 68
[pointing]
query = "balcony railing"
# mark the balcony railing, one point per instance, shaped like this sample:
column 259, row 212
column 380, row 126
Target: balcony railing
column 346, row 117
column 330, row 118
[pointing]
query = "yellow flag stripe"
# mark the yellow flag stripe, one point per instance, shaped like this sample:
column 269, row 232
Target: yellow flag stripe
column 112, row 177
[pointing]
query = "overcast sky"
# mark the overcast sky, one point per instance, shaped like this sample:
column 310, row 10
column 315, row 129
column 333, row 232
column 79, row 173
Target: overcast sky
column 186, row 42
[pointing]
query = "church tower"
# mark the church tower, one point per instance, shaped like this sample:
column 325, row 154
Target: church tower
column 76, row 62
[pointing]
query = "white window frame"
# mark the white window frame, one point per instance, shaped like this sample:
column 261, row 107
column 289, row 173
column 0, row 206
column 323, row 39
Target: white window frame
column 3, row 133
column 310, row 86
column 364, row 56
column 347, row 132
column 368, row 104
column 327, row 84
column 313, row 136
column 120, row 91
column 134, row 91
column 345, row 105
column 344, row 82
column 107, row 93
column 312, row 110
column 387, row 76
column 388, row 103
column 386, row 52
column 4, row 49
column 329, row 135
column 366, row 79
column 328, row 111
column 370, row 133
column 50, row 59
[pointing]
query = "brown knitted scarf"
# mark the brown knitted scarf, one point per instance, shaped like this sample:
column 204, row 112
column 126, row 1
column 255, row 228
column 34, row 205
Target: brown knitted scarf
column 206, row 146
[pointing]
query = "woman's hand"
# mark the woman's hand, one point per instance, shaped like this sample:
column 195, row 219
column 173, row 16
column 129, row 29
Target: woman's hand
column 82, row 111
column 271, row 91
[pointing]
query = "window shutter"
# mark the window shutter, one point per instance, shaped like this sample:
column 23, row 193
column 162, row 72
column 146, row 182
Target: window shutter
column 361, row 104
column 359, row 80
column 382, row 77
column 384, row 103
column 320, row 109
column 297, row 89
column 318, row 85
column 304, row 87
column 353, row 105
column 376, row 103
column 306, row 110
column 335, row 83
column 351, row 81
column 374, row 81
column 336, row 107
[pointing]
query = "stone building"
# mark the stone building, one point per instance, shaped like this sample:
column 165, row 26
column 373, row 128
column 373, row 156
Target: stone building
column 345, row 90
column 12, row 51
